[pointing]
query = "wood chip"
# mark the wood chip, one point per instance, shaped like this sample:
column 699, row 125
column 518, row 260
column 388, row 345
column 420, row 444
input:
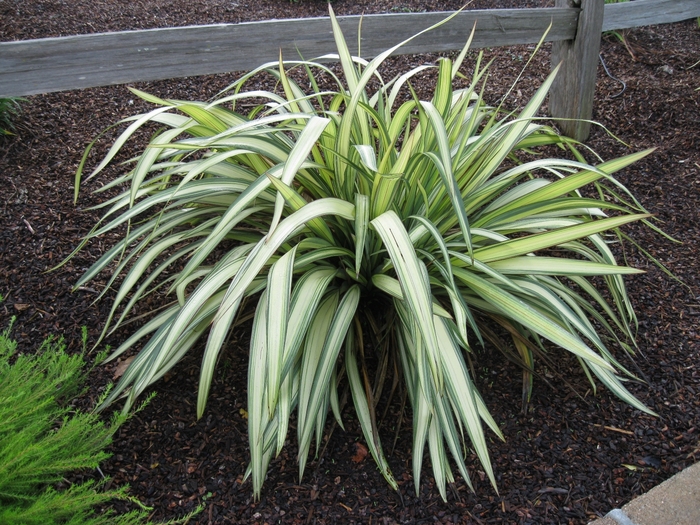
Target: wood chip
column 615, row 429
column 122, row 366
column 360, row 453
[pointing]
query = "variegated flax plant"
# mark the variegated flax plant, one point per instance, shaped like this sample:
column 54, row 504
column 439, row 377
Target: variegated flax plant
column 369, row 236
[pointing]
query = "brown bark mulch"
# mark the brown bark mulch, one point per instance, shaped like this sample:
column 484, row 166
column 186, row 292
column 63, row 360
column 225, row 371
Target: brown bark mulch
column 572, row 457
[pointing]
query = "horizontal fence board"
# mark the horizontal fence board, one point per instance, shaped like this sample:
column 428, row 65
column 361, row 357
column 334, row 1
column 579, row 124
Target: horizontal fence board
column 75, row 62
column 640, row 13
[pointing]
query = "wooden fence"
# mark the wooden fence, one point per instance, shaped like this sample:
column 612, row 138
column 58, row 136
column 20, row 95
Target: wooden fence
column 45, row 65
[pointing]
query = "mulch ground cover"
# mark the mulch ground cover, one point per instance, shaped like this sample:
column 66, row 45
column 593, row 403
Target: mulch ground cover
column 573, row 456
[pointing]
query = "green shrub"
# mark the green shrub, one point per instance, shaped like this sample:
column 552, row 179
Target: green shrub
column 358, row 224
column 10, row 109
column 42, row 439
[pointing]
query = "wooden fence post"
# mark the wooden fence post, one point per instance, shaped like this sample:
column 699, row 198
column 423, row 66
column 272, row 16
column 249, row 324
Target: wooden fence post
column 571, row 96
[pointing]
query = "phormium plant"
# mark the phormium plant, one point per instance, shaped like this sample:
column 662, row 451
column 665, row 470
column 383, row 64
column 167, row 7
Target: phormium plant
column 355, row 223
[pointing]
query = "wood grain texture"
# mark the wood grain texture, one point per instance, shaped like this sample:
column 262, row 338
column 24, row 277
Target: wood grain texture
column 648, row 12
column 75, row 62
column 571, row 96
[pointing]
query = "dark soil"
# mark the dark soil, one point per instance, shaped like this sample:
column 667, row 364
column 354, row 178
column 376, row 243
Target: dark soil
column 572, row 457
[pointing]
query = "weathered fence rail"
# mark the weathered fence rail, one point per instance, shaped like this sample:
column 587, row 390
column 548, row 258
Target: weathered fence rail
column 54, row 64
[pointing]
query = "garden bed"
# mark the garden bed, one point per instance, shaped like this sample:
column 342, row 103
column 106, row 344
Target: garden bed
column 571, row 457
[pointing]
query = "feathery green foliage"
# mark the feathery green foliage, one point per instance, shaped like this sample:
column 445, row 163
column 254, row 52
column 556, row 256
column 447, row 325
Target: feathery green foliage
column 42, row 439
column 370, row 236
